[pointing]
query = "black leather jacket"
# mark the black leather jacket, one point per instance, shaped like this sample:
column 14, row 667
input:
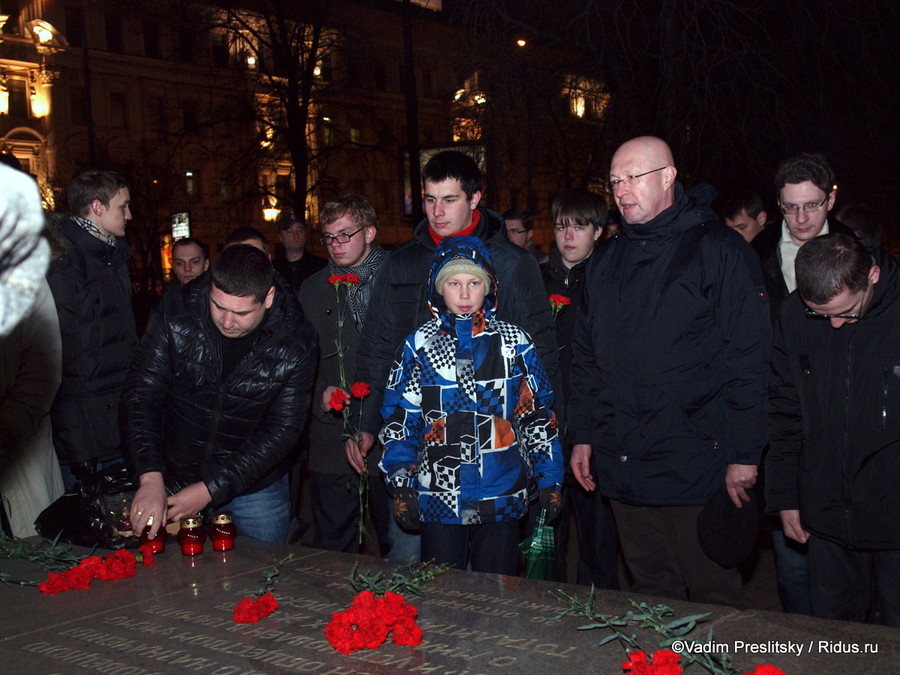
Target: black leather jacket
column 237, row 433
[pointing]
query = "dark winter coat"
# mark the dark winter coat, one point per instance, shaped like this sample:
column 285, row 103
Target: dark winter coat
column 568, row 282
column 399, row 303
column 234, row 434
column 467, row 411
column 670, row 357
column 295, row 273
column 835, row 411
column 92, row 292
column 326, row 429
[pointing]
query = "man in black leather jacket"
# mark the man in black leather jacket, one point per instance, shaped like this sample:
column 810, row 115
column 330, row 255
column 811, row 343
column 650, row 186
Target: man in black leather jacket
column 217, row 397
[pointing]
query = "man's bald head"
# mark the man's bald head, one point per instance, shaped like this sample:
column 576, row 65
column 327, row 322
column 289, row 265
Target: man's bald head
column 642, row 174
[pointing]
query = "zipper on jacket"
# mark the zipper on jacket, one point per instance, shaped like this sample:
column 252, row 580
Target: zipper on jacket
column 846, row 453
column 888, row 373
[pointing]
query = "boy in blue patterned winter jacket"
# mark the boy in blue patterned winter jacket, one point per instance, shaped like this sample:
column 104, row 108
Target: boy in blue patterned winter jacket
column 468, row 423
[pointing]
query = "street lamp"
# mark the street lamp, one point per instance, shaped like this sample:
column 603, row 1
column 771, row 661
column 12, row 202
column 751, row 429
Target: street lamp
column 271, row 212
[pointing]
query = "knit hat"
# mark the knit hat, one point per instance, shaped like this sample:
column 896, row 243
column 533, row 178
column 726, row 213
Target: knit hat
column 460, row 265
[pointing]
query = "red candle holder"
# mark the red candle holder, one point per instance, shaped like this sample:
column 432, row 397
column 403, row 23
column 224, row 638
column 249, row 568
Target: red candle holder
column 223, row 532
column 191, row 536
column 158, row 543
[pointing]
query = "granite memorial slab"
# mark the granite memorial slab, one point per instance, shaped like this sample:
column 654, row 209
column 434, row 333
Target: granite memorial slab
column 177, row 617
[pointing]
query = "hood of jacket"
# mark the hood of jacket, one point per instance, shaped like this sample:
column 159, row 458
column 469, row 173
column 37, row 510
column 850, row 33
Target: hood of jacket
column 471, row 248
column 690, row 208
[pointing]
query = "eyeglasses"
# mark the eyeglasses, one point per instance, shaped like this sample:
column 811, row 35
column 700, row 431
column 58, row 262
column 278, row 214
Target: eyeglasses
column 809, row 207
column 628, row 180
column 813, row 314
column 342, row 238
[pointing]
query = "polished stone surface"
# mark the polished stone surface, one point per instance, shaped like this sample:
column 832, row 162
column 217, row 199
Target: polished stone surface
column 177, row 617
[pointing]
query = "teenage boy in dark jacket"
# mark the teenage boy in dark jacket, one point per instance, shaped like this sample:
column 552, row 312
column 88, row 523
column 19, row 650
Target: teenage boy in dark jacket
column 578, row 219
column 217, row 397
column 835, row 411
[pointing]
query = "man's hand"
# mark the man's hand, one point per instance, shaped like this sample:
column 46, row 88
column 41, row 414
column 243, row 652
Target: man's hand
column 325, row 403
column 189, row 502
column 790, row 521
column 357, row 451
column 738, row 479
column 581, row 466
column 149, row 504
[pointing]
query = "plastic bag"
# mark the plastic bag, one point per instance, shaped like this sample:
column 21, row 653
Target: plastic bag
column 94, row 511
column 540, row 551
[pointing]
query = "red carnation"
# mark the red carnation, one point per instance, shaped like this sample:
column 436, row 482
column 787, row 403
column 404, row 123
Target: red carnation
column 360, row 389
column 339, row 399
column 369, row 621
column 119, row 565
column 351, row 279
column 664, row 662
column 336, row 279
column 251, row 610
column 146, row 551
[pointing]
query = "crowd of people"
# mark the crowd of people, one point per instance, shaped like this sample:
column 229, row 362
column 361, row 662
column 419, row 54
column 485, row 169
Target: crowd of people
column 625, row 382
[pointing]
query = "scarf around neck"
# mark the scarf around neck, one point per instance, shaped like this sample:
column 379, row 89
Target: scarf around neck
column 359, row 295
column 94, row 231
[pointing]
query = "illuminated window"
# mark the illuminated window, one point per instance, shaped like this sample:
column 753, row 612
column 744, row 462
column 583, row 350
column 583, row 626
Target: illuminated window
column 191, row 183
column 327, row 132
column 587, row 98
column 468, row 107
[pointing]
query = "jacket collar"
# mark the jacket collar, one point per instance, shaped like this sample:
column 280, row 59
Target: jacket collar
column 691, row 208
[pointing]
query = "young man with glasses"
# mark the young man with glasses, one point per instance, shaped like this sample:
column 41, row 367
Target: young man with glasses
column 805, row 190
column 835, row 416
column 349, row 226
column 804, row 187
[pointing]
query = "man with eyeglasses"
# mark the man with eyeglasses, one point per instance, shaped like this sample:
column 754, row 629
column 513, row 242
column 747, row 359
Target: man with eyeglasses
column 835, row 413
column 804, row 187
column 349, row 226
column 670, row 358
column 296, row 264
column 520, row 231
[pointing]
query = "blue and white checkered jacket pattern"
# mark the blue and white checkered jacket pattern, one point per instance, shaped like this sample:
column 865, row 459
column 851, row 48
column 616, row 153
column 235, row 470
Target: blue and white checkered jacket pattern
column 467, row 412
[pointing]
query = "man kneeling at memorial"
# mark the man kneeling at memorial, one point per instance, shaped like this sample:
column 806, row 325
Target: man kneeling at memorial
column 217, row 397
column 468, row 421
